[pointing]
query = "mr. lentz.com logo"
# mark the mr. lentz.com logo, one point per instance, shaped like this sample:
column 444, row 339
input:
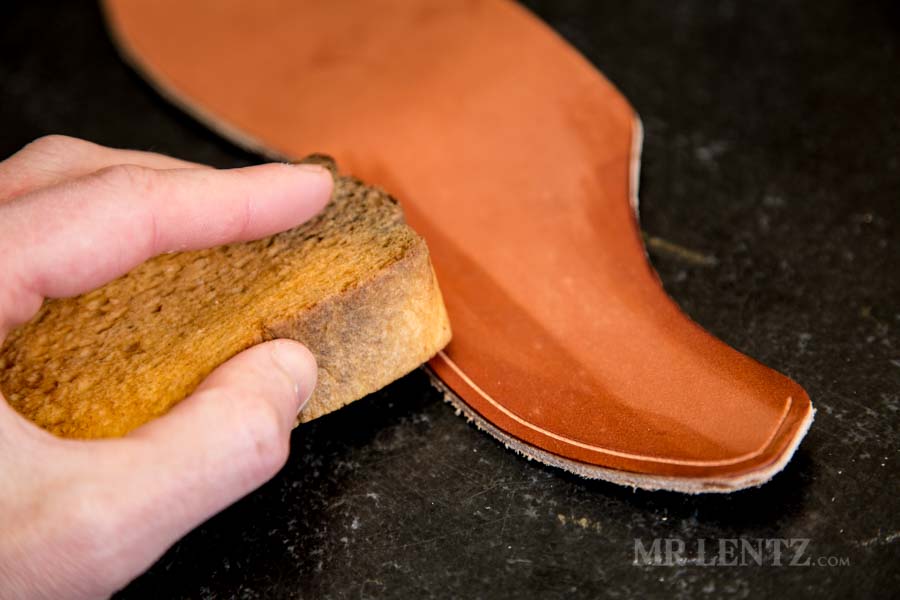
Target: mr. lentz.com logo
column 732, row 552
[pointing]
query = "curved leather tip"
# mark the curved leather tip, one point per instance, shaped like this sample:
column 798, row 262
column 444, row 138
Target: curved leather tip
column 517, row 161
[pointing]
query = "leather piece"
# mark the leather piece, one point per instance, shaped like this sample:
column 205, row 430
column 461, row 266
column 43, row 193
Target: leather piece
column 515, row 159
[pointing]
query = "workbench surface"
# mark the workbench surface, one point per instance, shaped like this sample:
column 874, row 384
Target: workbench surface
column 770, row 197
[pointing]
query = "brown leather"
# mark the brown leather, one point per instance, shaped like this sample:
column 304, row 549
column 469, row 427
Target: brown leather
column 515, row 159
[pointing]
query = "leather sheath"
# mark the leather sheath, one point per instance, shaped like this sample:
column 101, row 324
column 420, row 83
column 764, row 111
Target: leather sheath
column 517, row 161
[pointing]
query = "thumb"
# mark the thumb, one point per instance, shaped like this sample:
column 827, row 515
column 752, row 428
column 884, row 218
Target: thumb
column 223, row 441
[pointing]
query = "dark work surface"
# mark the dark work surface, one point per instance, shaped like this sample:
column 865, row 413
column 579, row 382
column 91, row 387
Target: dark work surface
column 772, row 149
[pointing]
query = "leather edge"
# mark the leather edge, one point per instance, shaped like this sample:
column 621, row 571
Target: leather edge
column 687, row 485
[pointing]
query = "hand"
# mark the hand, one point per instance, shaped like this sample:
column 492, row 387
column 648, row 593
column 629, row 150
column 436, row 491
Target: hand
column 82, row 518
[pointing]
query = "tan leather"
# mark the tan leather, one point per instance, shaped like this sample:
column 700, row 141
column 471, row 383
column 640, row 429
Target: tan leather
column 516, row 160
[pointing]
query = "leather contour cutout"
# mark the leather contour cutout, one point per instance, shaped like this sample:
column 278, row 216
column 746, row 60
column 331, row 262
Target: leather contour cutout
column 516, row 160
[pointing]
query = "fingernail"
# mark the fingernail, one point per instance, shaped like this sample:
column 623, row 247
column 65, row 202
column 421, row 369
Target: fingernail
column 294, row 361
column 312, row 168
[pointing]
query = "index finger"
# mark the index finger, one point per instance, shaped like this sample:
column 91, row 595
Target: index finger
column 53, row 159
column 72, row 237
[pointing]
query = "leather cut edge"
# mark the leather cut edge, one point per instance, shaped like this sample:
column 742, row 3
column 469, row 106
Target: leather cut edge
column 652, row 483
column 608, row 451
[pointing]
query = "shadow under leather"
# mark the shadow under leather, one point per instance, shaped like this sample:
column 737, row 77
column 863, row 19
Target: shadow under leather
column 772, row 505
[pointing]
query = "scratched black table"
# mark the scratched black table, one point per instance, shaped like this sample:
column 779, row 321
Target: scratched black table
column 770, row 197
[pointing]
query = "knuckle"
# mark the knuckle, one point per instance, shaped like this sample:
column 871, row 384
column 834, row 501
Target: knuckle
column 56, row 144
column 264, row 440
column 237, row 222
column 142, row 185
column 41, row 162
column 133, row 178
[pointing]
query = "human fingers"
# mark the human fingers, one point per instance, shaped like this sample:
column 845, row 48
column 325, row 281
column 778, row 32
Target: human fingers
column 100, row 512
column 74, row 236
column 52, row 159
column 223, row 441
